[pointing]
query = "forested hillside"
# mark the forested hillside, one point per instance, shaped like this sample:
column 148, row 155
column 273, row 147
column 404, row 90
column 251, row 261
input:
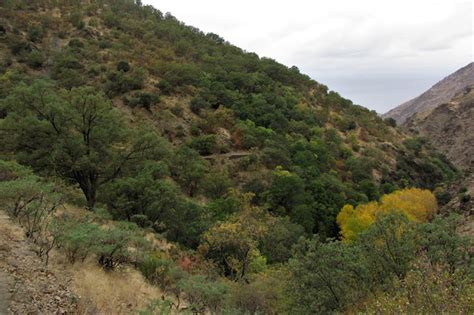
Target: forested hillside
column 243, row 164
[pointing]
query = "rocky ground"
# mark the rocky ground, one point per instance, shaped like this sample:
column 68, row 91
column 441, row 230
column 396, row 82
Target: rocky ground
column 27, row 286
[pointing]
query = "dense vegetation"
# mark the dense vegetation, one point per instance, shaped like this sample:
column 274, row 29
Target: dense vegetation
column 242, row 162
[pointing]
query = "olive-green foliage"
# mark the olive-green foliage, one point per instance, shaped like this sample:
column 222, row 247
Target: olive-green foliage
column 426, row 288
column 156, row 269
column 113, row 244
column 385, row 257
column 120, row 82
column 205, row 145
column 215, row 185
column 203, row 294
column 443, row 245
column 188, row 169
column 277, row 243
column 77, row 239
column 28, row 199
column 320, row 287
column 142, row 99
column 31, row 202
column 288, row 119
column 75, row 134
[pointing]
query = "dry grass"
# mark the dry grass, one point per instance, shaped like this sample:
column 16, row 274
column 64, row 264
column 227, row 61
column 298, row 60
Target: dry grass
column 116, row 292
column 123, row 291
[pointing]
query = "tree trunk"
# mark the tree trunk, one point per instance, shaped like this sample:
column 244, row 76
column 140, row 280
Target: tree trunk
column 88, row 183
column 91, row 197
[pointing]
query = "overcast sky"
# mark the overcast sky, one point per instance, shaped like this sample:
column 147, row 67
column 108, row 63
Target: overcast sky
column 378, row 53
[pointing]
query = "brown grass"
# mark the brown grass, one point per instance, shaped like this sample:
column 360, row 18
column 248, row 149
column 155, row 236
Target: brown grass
column 122, row 291
column 116, row 292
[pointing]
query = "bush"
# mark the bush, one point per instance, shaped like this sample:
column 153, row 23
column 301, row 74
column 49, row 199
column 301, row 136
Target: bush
column 76, row 19
column 104, row 44
column 35, row 33
column 465, row 197
column 443, row 196
column 76, row 43
column 156, row 270
column 123, row 66
column 204, row 294
column 215, row 185
column 205, row 145
column 33, row 59
column 462, row 190
column 27, row 198
column 143, row 99
column 141, row 220
column 76, row 239
column 112, row 247
column 122, row 82
column 20, row 47
column 197, row 104
column 165, row 87
column 391, row 122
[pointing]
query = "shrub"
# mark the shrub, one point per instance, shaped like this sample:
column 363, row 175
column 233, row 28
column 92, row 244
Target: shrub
column 77, row 239
column 465, row 197
column 156, row 270
column 104, row 44
column 391, row 122
column 76, row 43
column 122, row 82
column 141, row 220
column 20, row 47
column 123, row 66
column 143, row 99
column 27, row 198
column 33, row 59
column 443, row 196
column 205, row 145
column 177, row 110
column 35, row 33
column 197, row 104
column 112, row 247
column 76, row 19
column 204, row 294
column 216, row 185
column 165, row 87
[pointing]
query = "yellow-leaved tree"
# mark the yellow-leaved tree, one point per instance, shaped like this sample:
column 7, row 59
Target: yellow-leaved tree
column 419, row 205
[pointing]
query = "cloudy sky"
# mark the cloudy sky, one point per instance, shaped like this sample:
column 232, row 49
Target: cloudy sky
column 379, row 53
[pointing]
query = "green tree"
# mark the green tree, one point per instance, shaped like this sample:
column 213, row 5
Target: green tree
column 233, row 244
column 75, row 134
column 188, row 169
column 325, row 276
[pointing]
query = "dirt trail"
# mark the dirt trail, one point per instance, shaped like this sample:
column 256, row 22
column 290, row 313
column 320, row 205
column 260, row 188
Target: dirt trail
column 26, row 285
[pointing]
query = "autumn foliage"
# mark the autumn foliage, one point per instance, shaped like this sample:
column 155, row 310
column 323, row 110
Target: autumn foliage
column 419, row 205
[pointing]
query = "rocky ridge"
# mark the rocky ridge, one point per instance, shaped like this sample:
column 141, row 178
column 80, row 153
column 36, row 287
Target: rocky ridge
column 440, row 93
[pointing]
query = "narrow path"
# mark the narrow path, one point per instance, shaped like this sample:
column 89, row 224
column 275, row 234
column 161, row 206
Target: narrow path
column 26, row 285
column 230, row 155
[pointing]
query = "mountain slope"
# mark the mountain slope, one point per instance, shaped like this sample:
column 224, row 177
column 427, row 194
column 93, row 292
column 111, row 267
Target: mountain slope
column 450, row 128
column 202, row 167
column 206, row 99
column 440, row 93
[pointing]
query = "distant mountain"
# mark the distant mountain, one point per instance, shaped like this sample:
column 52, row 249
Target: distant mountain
column 440, row 93
column 450, row 127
